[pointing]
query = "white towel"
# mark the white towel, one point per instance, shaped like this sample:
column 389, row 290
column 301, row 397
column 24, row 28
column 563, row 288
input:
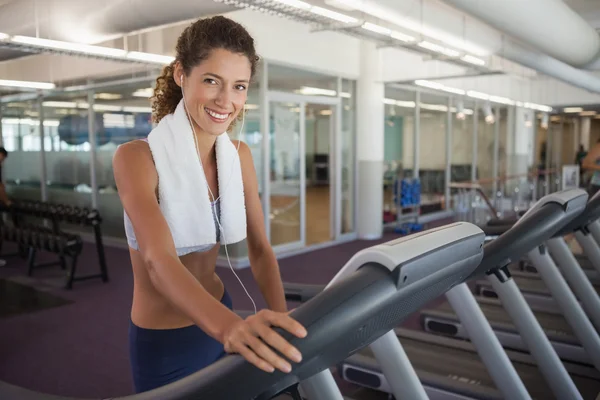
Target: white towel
column 182, row 187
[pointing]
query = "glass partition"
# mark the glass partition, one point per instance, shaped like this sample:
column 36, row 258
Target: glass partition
column 399, row 115
column 432, row 152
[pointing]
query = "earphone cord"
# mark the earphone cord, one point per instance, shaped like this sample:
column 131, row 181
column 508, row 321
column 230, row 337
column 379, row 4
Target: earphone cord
column 222, row 191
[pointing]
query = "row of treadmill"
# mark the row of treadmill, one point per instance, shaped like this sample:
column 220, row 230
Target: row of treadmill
column 507, row 310
column 559, row 289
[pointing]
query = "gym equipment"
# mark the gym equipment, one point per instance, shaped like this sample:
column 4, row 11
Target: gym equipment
column 377, row 289
column 434, row 358
column 546, row 217
column 36, row 235
column 442, row 320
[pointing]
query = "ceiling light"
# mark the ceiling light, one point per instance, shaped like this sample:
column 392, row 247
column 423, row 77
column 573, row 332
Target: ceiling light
column 27, row 84
column 376, row 28
column 434, row 107
column 416, row 25
column 573, row 109
column 478, row 95
column 107, row 96
column 295, row 3
column 402, row 37
column 502, row 100
column 472, row 60
column 4, row 36
column 333, row 15
column 537, row 107
column 149, row 57
column 588, row 113
column 325, row 112
column 69, row 46
column 146, row 92
column 389, row 101
column 251, row 106
column 429, row 84
column 438, row 49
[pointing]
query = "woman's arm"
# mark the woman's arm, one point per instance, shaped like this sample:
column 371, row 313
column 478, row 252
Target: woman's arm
column 262, row 258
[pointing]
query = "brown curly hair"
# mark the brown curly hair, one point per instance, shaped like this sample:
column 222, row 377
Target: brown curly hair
column 194, row 46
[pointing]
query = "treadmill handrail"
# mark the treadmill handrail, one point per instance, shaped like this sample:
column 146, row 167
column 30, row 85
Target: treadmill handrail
column 361, row 308
column 531, row 231
column 569, row 199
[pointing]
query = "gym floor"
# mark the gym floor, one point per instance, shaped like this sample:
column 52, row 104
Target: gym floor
column 74, row 343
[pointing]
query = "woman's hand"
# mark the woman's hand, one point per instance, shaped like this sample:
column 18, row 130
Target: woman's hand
column 254, row 337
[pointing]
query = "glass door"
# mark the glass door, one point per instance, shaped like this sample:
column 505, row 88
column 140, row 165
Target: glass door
column 286, row 197
column 303, row 195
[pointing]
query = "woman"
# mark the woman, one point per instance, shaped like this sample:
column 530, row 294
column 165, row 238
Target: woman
column 181, row 318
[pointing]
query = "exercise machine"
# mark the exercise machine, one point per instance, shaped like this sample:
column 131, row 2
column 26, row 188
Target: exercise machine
column 374, row 292
column 545, row 218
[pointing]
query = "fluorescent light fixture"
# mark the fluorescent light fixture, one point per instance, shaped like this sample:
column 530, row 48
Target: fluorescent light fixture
column 439, row 86
column 478, row 95
column 429, row 84
column 376, row 28
column 402, row 37
column 29, row 121
column 415, row 25
column 472, row 59
column 333, row 15
column 502, row 100
column 438, row 49
column 313, row 91
column 4, row 36
column 537, row 107
column 389, row 101
column 27, row 84
column 149, row 57
column 434, row 107
column 406, row 104
column 62, row 104
column 107, row 96
column 295, row 3
column 69, row 46
column 251, row 106
column 135, row 109
column 325, row 112
column 588, row 113
column 572, row 109
column 107, row 107
column 146, row 92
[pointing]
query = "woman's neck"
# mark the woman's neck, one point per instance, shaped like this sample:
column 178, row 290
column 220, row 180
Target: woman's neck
column 206, row 145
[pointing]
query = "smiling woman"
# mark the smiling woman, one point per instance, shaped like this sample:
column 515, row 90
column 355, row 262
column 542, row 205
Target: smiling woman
column 181, row 317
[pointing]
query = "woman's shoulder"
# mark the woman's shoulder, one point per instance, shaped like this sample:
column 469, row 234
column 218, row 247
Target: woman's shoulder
column 135, row 153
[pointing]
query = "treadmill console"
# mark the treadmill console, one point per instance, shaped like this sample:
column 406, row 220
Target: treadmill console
column 449, row 241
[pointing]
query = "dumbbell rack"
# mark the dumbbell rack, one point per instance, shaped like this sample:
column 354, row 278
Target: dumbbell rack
column 48, row 236
column 407, row 195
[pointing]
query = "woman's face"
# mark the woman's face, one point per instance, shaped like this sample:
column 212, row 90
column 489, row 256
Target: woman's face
column 215, row 91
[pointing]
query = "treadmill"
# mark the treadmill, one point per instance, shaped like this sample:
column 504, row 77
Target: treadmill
column 442, row 320
column 531, row 285
column 374, row 292
column 548, row 216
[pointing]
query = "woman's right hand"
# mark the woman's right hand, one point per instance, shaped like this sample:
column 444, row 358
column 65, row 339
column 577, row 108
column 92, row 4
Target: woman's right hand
column 254, row 339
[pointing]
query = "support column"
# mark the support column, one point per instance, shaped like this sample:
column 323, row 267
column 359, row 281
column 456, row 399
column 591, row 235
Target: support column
column 43, row 170
column 584, row 135
column 93, row 145
column 370, row 139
